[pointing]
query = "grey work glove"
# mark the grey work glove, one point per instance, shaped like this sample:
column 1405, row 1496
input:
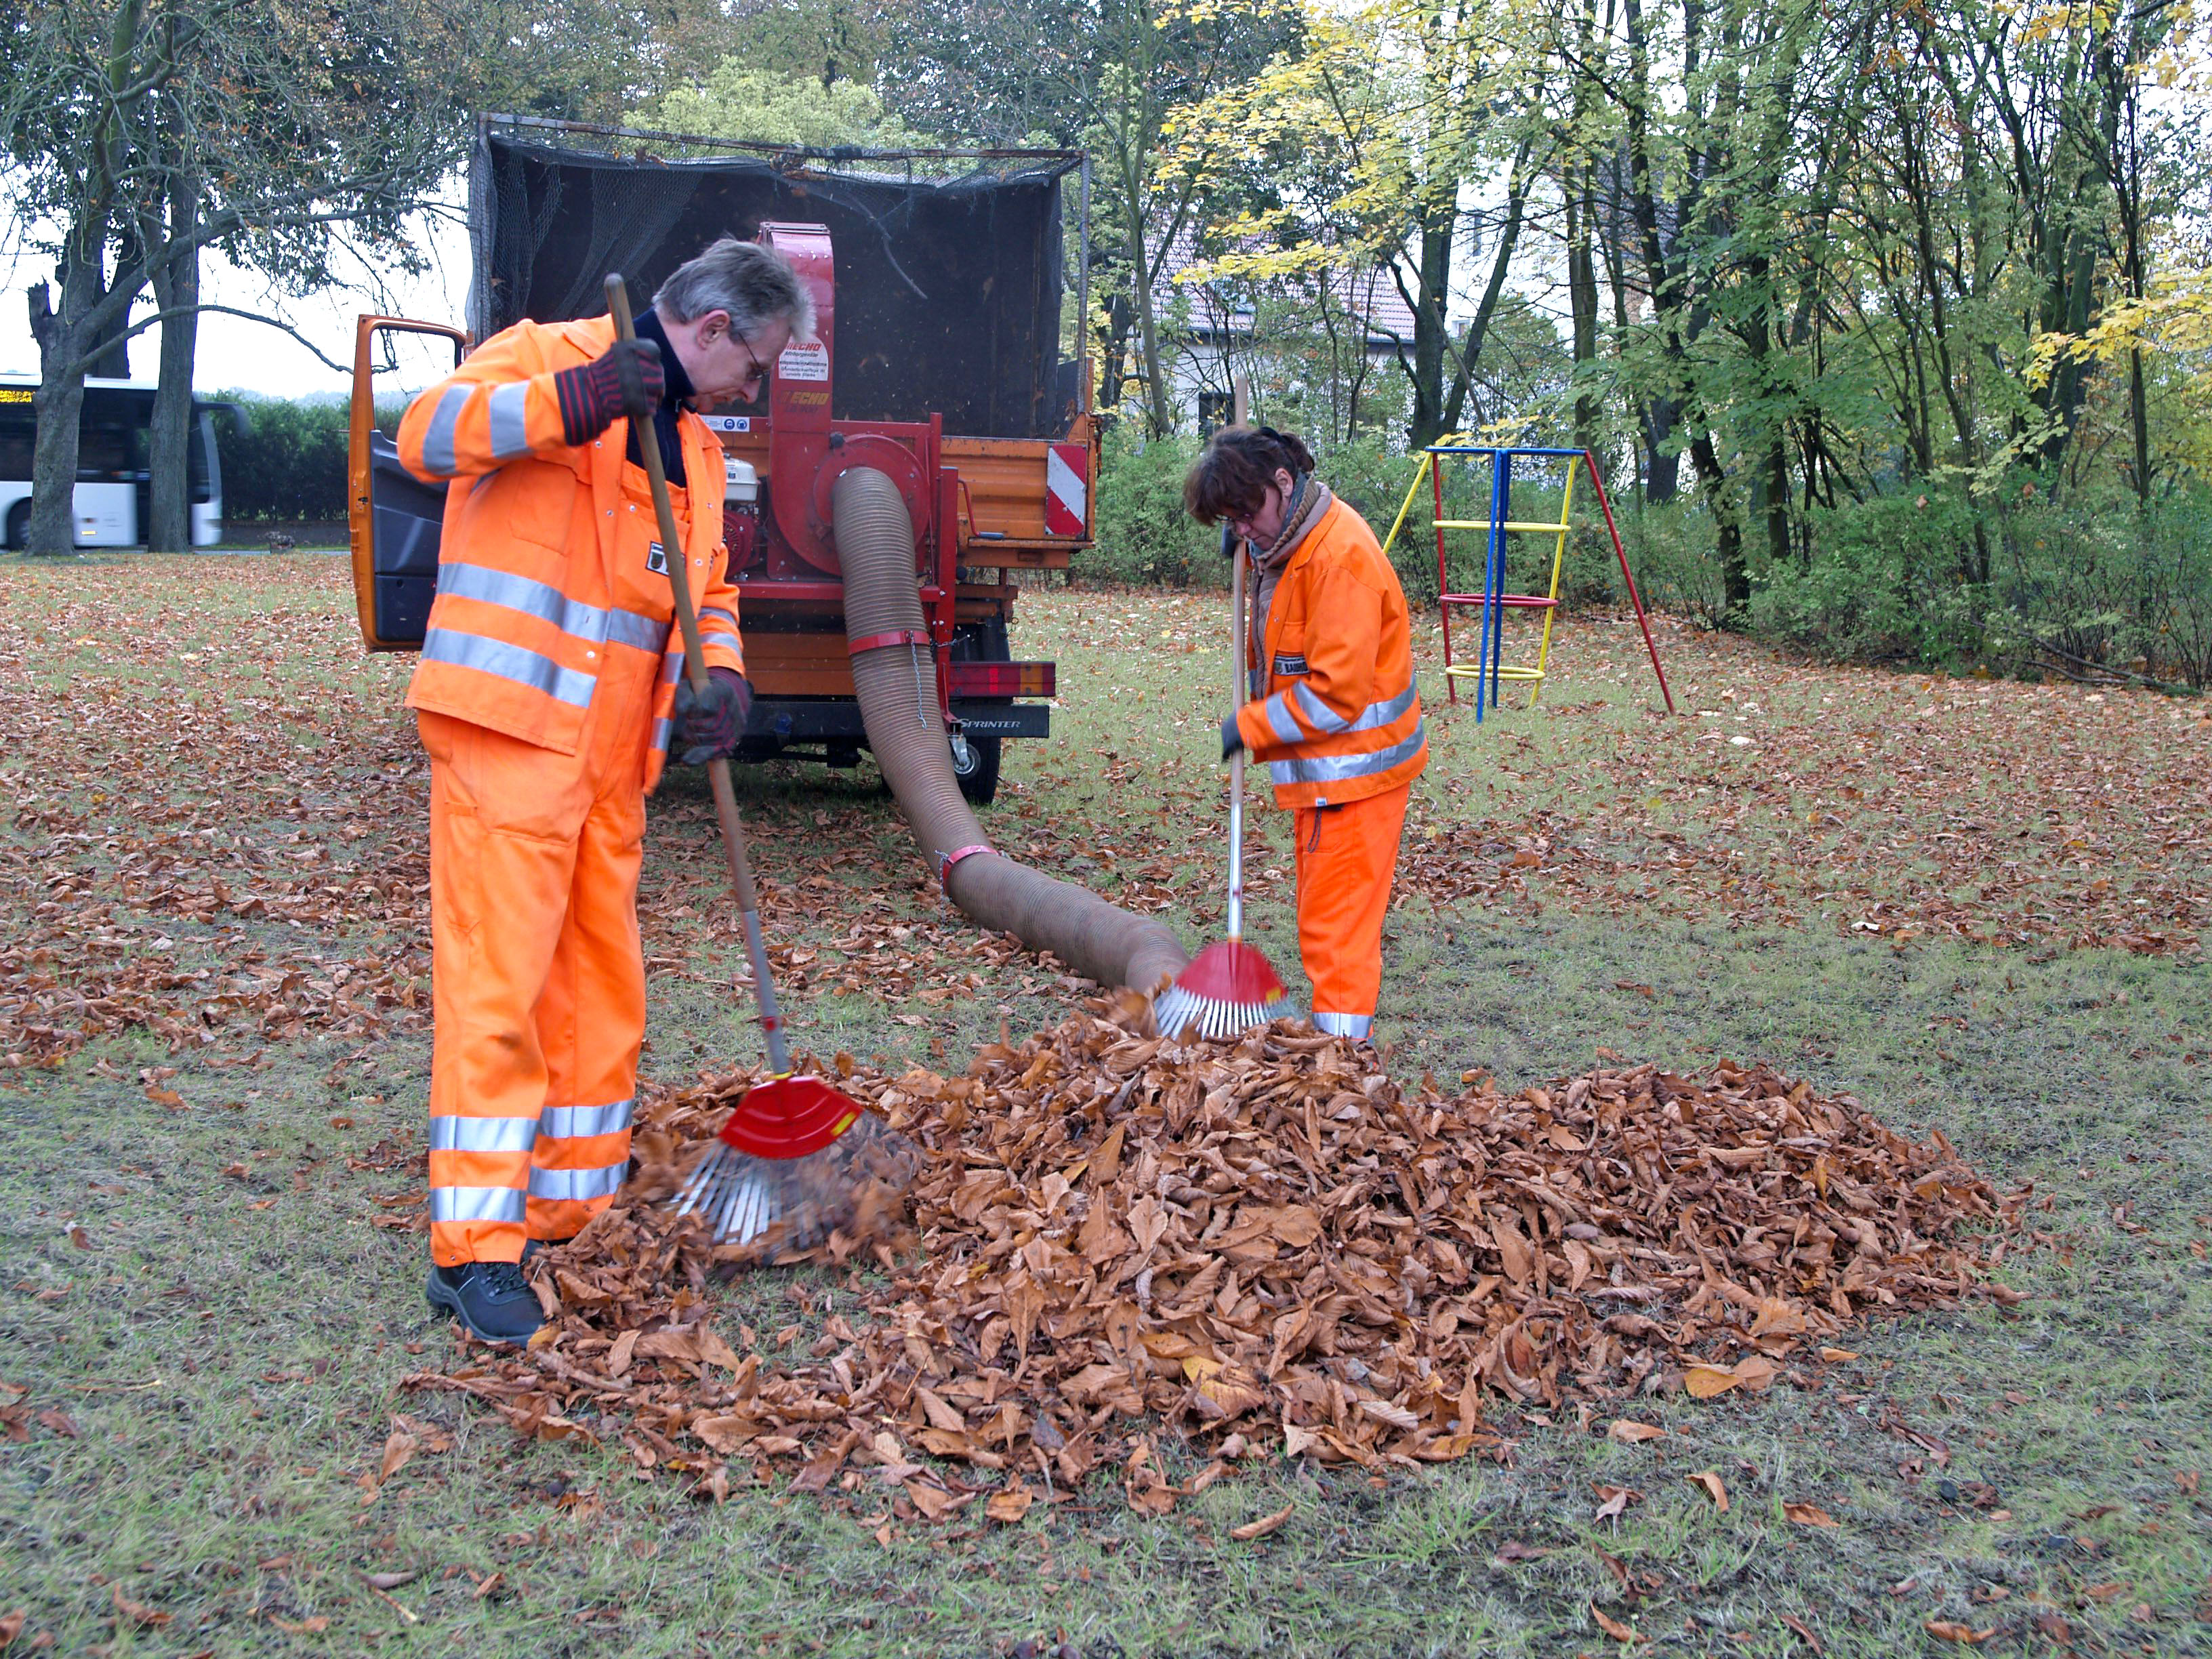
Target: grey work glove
column 707, row 727
column 1232, row 740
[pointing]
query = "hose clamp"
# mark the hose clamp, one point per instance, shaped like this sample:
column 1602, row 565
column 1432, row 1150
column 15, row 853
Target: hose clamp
column 944, row 864
column 908, row 636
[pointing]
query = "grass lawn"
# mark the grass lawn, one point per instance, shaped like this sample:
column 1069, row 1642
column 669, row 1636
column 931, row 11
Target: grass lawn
column 1974, row 904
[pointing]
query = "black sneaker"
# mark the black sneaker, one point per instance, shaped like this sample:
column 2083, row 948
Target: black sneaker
column 491, row 1298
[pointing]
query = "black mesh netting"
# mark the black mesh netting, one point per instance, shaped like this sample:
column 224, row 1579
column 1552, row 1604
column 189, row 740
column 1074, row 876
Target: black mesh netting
column 948, row 288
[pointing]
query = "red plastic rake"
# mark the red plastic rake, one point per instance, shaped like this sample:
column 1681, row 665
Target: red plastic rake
column 1232, row 986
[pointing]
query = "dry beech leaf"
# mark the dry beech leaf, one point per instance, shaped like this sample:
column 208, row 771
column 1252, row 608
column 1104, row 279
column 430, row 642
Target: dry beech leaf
column 1010, row 1505
column 1714, row 1487
column 137, row 1613
column 1613, row 1627
column 1809, row 1515
column 1950, row 1630
column 1128, row 1237
column 1264, row 1525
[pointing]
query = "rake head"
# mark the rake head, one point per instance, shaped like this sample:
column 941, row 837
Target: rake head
column 795, row 1160
column 1230, row 989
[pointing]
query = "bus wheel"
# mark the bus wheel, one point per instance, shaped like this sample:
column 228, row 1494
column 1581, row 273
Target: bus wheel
column 19, row 526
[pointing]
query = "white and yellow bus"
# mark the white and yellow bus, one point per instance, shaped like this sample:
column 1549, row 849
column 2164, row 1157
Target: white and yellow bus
column 112, row 483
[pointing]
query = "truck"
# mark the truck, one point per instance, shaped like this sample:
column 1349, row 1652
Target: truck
column 937, row 275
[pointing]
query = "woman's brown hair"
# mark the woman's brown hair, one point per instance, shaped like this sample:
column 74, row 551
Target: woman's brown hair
column 1230, row 479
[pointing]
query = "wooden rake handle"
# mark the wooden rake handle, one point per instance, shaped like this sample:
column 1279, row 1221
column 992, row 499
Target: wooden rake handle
column 695, row 669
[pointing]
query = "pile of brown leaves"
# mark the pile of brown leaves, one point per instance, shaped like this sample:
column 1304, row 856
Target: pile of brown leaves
column 1250, row 1244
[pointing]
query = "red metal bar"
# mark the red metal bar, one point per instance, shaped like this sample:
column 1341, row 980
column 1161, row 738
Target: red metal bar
column 1598, row 483
column 1443, row 607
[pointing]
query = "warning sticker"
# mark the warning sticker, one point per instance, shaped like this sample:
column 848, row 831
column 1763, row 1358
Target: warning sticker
column 656, row 559
column 804, row 362
column 729, row 423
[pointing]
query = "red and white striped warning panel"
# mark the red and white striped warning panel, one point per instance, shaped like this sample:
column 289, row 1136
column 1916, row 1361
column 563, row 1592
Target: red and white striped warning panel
column 1067, row 491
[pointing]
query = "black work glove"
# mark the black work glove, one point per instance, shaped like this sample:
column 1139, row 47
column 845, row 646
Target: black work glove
column 707, row 727
column 627, row 380
column 1232, row 740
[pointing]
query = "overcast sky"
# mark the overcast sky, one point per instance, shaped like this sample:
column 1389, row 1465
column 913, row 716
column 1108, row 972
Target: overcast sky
column 238, row 355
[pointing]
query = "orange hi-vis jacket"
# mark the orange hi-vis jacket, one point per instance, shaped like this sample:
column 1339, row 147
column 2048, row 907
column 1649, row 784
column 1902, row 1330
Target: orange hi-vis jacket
column 533, row 591
column 1341, row 720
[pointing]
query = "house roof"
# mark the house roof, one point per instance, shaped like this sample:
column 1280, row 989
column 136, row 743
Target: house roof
column 1368, row 293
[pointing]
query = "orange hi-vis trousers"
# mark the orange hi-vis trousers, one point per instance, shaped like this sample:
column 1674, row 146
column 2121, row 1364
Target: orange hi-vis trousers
column 1346, row 857
column 538, row 970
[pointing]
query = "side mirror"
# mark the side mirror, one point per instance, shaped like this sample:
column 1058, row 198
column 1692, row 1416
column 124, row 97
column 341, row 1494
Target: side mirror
column 395, row 518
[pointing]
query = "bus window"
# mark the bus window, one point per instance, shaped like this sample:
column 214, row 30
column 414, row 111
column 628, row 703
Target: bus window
column 104, row 453
column 19, row 432
column 199, row 487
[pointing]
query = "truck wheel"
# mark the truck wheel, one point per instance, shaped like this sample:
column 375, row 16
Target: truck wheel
column 979, row 779
column 19, row 526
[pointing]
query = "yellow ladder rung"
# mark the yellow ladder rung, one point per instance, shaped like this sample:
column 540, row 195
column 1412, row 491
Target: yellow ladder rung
column 1484, row 524
column 1467, row 671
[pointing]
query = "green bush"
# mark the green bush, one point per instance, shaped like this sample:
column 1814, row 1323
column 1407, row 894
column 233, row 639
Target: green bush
column 1143, row 536
column 290, row 466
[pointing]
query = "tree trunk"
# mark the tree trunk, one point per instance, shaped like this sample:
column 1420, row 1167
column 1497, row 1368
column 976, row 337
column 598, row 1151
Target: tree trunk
column 176, row 286
column 1430, row 326
column 1581, row 301
column 63, row 340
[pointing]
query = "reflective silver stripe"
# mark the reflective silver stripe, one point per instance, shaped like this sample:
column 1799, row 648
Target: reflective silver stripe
column 483, row 1134
column 720, row 615
column 1322, row 718
column 570, row 1121
column 445, row 420
column 637, row 631
column 508, row 662
column 575, row 1186
column 533, row 598
column 660, row 734
column 1277, row 710
column 1334, row 769
column 510, row 432
column 476, row 1204
column 1344, row 1025
column 672, row 665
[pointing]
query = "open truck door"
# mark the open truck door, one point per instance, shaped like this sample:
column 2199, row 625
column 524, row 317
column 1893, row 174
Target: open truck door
column 395, row 519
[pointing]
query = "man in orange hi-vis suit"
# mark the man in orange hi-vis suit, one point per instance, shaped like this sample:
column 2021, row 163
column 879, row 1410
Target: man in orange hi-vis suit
column 1335, row 712
column 547, row 697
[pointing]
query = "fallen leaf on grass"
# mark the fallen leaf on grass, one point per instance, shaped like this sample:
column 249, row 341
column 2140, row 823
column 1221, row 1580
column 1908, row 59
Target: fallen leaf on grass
column 2109, row 1592
column 386, row 1580
column 1513, row 1550
column 58, row 1420
column 314, row 1626
column 1613, row 1627
column 1950, row 1630
column 1836, row 1356
column 1811, row 1640
column 1263, row 1526
column 1714, row 1487
column 1615, row 1500
column 398, row 1447
column 1628, row 1433
column 1809, row 1515
column 138, row 1613
column 1010, row 1505
column 11, row 1626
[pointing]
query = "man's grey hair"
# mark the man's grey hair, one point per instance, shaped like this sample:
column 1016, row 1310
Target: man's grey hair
column 755, row 285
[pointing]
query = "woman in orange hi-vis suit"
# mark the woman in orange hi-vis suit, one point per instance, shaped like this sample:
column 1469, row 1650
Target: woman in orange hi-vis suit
column 547, row 697
column 1334, row 713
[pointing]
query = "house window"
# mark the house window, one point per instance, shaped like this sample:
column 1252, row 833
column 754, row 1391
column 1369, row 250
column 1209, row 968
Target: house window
column 1214, row 412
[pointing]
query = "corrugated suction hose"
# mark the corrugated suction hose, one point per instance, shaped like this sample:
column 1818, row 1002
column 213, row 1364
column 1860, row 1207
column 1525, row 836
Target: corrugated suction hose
column 897, row 688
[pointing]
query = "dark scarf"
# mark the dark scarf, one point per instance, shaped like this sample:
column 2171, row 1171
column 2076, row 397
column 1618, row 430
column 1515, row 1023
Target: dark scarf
column 665, row 426
column 1309, row 499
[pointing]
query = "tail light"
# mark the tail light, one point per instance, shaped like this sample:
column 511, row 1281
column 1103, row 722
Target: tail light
column 1002, row 679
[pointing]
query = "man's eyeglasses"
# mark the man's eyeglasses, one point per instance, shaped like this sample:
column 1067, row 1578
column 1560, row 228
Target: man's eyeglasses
column 756, row 375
